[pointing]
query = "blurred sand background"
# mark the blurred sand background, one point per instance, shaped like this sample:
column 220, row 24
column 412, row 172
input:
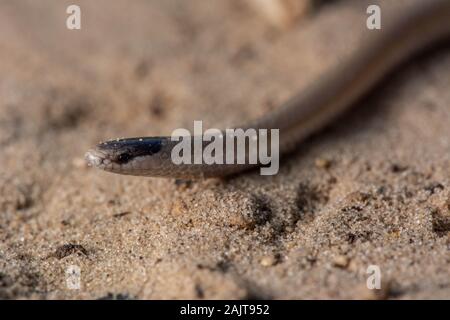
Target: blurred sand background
column 372, row 189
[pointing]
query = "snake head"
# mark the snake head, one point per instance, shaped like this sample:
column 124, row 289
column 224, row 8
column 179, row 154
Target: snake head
column 124, row 155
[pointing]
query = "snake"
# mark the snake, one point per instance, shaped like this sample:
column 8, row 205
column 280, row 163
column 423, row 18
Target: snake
column 419, row 25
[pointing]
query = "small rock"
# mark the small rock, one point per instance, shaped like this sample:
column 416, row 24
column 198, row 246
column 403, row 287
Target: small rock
column 183, row 184
column 268, row 261
column 341, row 261
column 282, row 13
column 357, row 197
column 322, row 163
column 398, row 168
column 179, row 207
column 68, row 249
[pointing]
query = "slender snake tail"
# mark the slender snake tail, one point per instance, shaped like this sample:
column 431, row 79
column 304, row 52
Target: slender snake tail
column 407, row 32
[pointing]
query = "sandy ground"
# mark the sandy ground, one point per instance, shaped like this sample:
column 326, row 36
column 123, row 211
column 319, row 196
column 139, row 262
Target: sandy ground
column 372, row 189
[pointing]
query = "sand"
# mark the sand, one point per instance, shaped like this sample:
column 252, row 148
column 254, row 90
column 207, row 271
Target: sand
column 371, row 189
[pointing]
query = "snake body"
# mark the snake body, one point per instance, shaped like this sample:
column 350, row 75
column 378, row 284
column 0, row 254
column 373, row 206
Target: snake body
column 409, row 31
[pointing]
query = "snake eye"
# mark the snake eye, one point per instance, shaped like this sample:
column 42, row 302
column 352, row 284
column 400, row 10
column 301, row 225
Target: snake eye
column 123, row 158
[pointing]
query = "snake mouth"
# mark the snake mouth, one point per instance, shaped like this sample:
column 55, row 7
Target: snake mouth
column 97, row 158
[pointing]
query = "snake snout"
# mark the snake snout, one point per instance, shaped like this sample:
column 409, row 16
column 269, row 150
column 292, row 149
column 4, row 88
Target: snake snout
column 96, row 158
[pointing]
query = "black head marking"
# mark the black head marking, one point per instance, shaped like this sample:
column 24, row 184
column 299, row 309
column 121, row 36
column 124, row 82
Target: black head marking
column 123, row 158
column 128, row 149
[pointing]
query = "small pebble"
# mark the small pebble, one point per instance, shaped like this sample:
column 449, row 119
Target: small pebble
column 179, row 207
column 341, row 261
column 268, row 261
column 322, row 163
column 282, row 13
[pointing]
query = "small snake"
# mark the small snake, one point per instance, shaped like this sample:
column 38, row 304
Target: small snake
column 403, row 35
